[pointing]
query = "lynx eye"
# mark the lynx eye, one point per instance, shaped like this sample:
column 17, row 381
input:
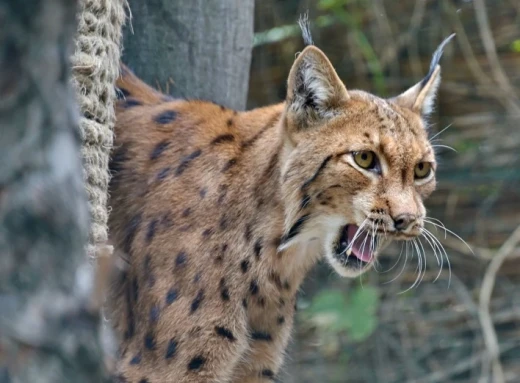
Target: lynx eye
column 422, row 170
column 366, row 160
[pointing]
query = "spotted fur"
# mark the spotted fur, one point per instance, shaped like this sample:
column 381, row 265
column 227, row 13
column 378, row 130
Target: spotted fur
column 219, row 215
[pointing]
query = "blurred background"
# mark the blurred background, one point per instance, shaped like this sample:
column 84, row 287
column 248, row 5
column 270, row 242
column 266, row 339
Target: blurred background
column 379, row 329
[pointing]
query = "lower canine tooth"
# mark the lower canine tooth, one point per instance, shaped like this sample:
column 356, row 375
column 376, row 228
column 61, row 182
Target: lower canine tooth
column 349, row 251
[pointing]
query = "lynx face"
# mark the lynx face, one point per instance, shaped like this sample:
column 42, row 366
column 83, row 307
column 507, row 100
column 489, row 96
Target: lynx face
column 357, row 167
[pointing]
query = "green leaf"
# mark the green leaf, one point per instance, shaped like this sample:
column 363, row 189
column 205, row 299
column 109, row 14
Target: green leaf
column 362, row 308
column 515, row 46
column 364, row 300
column 362, row 327
column 332, row 301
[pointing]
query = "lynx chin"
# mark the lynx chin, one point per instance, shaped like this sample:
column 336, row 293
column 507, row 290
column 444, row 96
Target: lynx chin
column 220, row 214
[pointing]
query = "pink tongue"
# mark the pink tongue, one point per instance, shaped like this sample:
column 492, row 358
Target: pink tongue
column 360, row 247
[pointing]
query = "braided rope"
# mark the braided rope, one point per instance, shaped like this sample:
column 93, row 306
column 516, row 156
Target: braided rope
column 95, row 68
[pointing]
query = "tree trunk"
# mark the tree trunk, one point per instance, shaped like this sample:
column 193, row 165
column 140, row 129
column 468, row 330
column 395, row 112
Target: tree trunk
column 194, row 49
column 48, row 333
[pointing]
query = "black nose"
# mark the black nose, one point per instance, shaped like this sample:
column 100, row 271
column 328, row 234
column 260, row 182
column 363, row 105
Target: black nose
column 403, row 221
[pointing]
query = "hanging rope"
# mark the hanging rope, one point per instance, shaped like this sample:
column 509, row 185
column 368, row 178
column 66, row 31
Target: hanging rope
column 95, row 68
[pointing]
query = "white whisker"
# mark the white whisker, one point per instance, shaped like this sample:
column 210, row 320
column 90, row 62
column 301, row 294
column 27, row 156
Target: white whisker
column 449, row 231
column 444, row 146
column 439, row 133
column 443, row 251
column 395, row 264
column 434, row 247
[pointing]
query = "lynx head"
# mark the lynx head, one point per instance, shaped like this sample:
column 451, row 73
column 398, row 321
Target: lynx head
column 356, row 167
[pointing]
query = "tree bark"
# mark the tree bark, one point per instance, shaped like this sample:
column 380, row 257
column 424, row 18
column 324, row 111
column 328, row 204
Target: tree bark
column 194, row 49
column 48, row 333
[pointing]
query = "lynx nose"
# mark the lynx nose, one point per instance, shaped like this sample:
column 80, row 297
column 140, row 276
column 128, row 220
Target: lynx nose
column 403, row 221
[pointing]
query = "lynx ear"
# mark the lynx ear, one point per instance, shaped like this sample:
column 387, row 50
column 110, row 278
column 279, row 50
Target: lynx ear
column 421, row 97
column 315, row 91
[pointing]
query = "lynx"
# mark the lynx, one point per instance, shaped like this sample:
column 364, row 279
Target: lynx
column 220, row 214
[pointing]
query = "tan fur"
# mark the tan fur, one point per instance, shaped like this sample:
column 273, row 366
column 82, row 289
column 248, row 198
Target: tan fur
column 205, row 202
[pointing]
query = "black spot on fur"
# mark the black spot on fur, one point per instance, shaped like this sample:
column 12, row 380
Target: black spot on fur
column 144, row 380
column 171, row 296
column 118, row 158
column 206, row 233
column 195, row 304
column 130, row 103
column 223, row 250
column 136, row 359
column 135, row 289
column 223, row 224
column 268, row 374
column 149, row 341
column 159, row 149
column 244, row 303
column 130, row 232
column 229, row 122
column 223, row 138
column 163, row 173
column 280, row 320
column 403, row 175
column 181, row 259
column 261, row 302
column 152, row 226
column 224, row 291
column 154, row 313
column 171, row 350
column 225, row 333
column 186, row 160
column 186, row 212
column 166, row 117
column 253, row 288
column 203, row 192
column 258, row 248
column 261, row 335
column 196, row 363
column 244, row 266
column 232, row 162
column 147, row 268
column 295, row 229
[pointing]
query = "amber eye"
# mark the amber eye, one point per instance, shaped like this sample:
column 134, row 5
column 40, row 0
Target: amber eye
column 422, row 170
column 366, row 160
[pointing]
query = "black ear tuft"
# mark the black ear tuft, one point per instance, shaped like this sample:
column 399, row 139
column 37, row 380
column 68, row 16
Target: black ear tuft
column 436, row 58
column 305, row 26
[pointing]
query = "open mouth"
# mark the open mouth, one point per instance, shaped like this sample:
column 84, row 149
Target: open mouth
column 355, row 251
